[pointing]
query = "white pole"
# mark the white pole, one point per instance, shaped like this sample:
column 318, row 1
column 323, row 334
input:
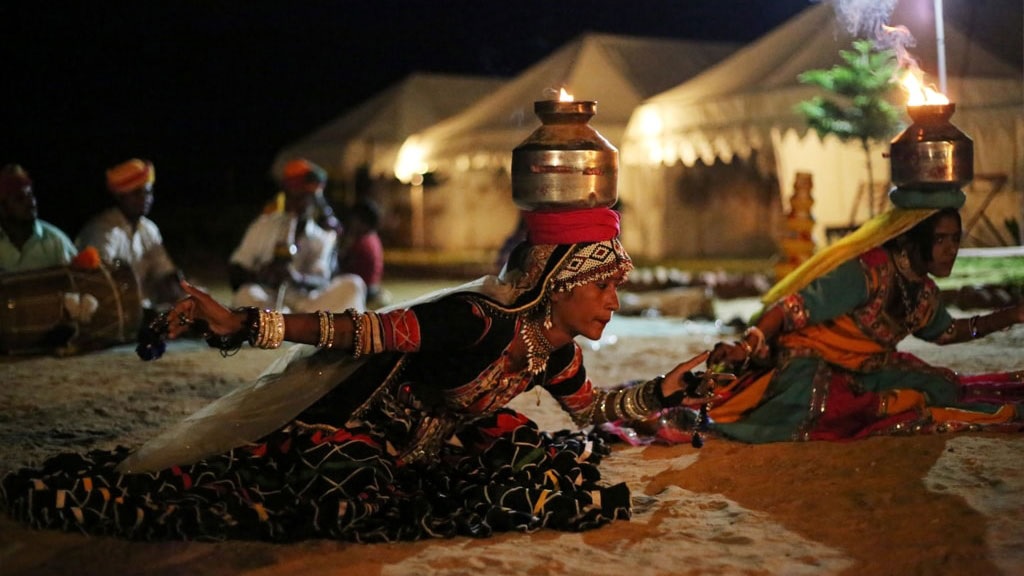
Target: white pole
column 418, row 230
column 940, row 45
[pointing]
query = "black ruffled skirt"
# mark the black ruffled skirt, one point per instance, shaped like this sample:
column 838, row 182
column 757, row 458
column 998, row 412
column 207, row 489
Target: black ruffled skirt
column 305, row 482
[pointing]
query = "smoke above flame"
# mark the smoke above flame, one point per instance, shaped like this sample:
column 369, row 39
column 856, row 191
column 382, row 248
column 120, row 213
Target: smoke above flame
column 870, row 19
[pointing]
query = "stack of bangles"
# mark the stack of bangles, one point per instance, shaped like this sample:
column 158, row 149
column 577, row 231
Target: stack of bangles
column 265, row 329
column 326, row 338
column 635, row 402
column 261, row 329
column 268, row 331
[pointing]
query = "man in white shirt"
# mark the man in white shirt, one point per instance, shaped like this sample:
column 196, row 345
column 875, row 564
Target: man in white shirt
column 285, row 259
column 124, row 233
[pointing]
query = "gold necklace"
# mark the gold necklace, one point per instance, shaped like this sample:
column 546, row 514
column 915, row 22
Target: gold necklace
column 538, row 348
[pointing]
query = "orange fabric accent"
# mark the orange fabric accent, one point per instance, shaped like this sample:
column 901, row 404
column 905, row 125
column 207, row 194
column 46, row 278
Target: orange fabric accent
column 541, row 500
column 1006, row 413
column 839, row 342
column 87, row 259
column 261, row 512
column 745, row 400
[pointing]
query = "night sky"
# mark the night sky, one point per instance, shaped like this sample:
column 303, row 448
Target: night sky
column 210, row 90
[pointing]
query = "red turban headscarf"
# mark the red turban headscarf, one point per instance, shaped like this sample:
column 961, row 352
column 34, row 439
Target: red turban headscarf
column 572, row 227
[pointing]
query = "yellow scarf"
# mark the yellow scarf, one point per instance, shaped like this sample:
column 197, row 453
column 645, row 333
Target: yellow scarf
column 872, row 233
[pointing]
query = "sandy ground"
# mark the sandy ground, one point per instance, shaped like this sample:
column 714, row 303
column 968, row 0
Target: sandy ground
column 943, row 504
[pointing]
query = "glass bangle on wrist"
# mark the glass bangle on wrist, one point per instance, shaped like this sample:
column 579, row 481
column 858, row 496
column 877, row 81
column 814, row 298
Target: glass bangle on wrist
column 759, row 339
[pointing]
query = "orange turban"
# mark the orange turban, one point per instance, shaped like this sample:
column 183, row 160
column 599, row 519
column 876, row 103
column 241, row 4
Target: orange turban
column 130, row 176
column 301, row 171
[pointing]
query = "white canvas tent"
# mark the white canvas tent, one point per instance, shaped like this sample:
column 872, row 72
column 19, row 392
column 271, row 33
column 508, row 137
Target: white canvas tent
column 744, row 106
column 372, row 133
column 470, row 153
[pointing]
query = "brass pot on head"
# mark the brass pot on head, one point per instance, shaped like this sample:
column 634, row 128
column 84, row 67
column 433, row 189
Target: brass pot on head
column 931, row 153
column 565, row 164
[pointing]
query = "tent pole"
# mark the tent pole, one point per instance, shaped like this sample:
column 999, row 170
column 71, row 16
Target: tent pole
column 940, row 45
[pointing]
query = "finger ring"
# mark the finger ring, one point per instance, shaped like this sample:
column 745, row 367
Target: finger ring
column 183, row 320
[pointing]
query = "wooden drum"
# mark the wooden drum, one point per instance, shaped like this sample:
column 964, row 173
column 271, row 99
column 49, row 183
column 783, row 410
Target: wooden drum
column 66, row 308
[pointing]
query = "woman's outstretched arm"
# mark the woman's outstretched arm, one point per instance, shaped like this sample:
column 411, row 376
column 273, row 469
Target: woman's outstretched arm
column 265, row 328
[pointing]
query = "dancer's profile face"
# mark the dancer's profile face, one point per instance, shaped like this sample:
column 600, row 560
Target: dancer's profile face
column 945, row 246
column 586, row 309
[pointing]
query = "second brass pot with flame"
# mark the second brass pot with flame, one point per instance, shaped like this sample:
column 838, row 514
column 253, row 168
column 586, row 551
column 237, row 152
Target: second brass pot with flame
column 931, row 153
column 565, row 164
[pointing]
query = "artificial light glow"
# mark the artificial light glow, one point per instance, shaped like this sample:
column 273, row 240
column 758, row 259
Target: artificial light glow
column 564, row 96
column 411, row 160
column 649, row 122
column 917, row 93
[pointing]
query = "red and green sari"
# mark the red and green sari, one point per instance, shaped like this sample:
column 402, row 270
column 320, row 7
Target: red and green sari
column 836, row 373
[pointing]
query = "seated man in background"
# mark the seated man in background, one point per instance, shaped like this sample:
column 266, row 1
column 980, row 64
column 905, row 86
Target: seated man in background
column 26, row 242
column 124, row 233
column 361, row 252
column 323, row 212
column 285, row 259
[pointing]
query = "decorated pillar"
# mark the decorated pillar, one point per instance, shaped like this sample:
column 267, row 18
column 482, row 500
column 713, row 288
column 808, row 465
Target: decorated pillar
column 797, row 244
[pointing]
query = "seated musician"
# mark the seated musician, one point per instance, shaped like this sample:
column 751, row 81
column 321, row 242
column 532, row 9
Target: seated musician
column 124, row 233
column 26, row 242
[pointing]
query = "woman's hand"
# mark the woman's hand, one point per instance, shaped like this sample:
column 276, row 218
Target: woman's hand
column 673, row 381
column 198, row 305
column 729, row 355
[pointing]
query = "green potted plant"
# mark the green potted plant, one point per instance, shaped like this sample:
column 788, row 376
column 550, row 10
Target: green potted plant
column 858, row 108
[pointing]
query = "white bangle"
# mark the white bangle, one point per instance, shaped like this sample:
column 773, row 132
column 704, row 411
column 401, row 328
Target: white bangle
column 759, row 337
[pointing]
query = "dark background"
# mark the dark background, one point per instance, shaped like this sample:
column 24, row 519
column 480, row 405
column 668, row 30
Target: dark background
column 210, row 90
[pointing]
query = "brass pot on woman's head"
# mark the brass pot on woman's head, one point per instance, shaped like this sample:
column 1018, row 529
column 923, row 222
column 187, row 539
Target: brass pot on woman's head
column 565, row 164
column 931, row 153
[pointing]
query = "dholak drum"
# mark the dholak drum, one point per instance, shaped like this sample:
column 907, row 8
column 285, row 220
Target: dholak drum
column 65, row 308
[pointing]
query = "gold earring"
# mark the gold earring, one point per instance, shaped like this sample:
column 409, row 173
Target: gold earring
column 547, row 316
